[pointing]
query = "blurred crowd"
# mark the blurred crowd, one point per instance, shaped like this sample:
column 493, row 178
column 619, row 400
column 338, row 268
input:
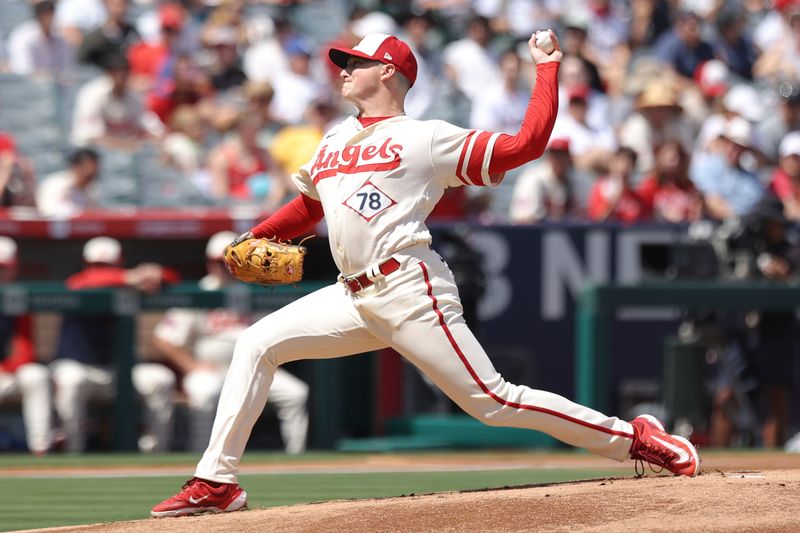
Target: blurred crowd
column 670, row 110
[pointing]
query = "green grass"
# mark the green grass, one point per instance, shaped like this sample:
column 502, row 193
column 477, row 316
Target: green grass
column 132, row 460
column 30, row 503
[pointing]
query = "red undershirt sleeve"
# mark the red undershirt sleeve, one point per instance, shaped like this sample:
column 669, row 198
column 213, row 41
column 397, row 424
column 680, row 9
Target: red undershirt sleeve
column 511, row 151
column 292, row 220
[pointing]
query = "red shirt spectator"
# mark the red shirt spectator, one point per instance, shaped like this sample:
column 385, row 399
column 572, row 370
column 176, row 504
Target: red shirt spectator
column 786, row 178
column 185, row 85
column 784, row 186
column 147, row 59
column 241, row 169
column 668, row 193
column 612, row 197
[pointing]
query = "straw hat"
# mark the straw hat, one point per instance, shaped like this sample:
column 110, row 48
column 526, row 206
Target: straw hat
column 658, row 94
column 642, row 72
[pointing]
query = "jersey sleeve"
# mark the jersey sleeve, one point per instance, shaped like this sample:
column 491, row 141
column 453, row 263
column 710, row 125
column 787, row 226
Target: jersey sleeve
column 461, row 156
column 304, row 184
column 176, row 327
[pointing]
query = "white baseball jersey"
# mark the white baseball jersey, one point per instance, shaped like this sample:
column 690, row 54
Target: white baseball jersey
column 378, row 184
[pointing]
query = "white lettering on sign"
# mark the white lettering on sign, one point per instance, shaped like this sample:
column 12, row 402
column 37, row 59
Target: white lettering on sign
column 9, row 227
column 89, row 227
column 59, row 228
column 496, row 256
column 160, row 228
column 629, row 257
column 564, row 272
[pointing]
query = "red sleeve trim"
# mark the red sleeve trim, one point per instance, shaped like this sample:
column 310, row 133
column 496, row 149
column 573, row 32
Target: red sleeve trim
column 511, row 151
column 476, row 157
column 296, row 218
column 461, row 158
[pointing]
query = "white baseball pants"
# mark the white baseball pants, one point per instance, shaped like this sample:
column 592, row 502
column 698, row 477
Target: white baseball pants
column 415, row 310
column 287, row 393
column 76, row 383
column 31, row 384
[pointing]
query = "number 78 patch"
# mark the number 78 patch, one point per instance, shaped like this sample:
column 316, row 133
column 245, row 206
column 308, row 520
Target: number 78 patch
column 369, row 201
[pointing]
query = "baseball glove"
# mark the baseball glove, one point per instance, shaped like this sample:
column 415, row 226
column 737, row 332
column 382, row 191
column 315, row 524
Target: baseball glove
column 264, row 261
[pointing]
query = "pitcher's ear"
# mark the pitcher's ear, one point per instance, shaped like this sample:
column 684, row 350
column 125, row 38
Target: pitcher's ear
column 387, row 69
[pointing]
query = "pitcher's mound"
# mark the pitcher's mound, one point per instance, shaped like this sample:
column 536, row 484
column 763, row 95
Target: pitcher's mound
column 714, row 501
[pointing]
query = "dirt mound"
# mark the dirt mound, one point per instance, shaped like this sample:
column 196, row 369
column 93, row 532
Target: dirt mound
column 715, row 501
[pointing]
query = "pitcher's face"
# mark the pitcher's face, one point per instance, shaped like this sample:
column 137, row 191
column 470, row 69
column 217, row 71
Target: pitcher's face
column 361, row 78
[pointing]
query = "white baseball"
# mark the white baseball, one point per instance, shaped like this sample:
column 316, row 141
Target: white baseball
column 544, row 42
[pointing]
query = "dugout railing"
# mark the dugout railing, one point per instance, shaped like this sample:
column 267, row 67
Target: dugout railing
column 126, row 304
column 597, row 305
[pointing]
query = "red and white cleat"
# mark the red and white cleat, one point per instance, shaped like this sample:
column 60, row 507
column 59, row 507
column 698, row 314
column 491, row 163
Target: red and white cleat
column 197, row 496
column 653, row 445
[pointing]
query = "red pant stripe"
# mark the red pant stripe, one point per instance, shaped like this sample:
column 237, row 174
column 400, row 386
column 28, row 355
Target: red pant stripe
column 494, row 396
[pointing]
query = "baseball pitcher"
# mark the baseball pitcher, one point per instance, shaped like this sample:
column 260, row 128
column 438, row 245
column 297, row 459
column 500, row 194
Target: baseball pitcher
column 375, row 178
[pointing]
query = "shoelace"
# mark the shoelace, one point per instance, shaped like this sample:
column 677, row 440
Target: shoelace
column 652, row 454
column 187, row 485
column 638, row 467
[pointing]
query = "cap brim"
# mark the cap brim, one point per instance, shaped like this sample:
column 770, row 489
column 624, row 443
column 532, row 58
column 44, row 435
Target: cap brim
column 738, row 142
column 339, row 56
column 659, row 105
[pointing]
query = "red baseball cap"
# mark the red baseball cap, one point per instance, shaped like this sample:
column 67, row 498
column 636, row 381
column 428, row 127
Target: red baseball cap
column 172, row 16
column 7, row 143
column 712, row 77
column 558, row 145
column 386, row 49
column 578, row 92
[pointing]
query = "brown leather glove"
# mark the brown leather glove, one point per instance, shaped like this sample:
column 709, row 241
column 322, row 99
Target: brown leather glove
column 264, row 261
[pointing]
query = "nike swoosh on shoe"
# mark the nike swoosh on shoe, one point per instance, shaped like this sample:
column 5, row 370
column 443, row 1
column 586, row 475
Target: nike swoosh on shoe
column 683, row 455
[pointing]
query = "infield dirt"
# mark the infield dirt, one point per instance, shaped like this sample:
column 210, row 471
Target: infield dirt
column 734, row 493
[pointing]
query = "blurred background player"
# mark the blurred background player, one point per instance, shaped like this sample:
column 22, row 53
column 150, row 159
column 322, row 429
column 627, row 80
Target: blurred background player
column 199, row 343
column 83, row 365
column 21, row 375
column 70, row 191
